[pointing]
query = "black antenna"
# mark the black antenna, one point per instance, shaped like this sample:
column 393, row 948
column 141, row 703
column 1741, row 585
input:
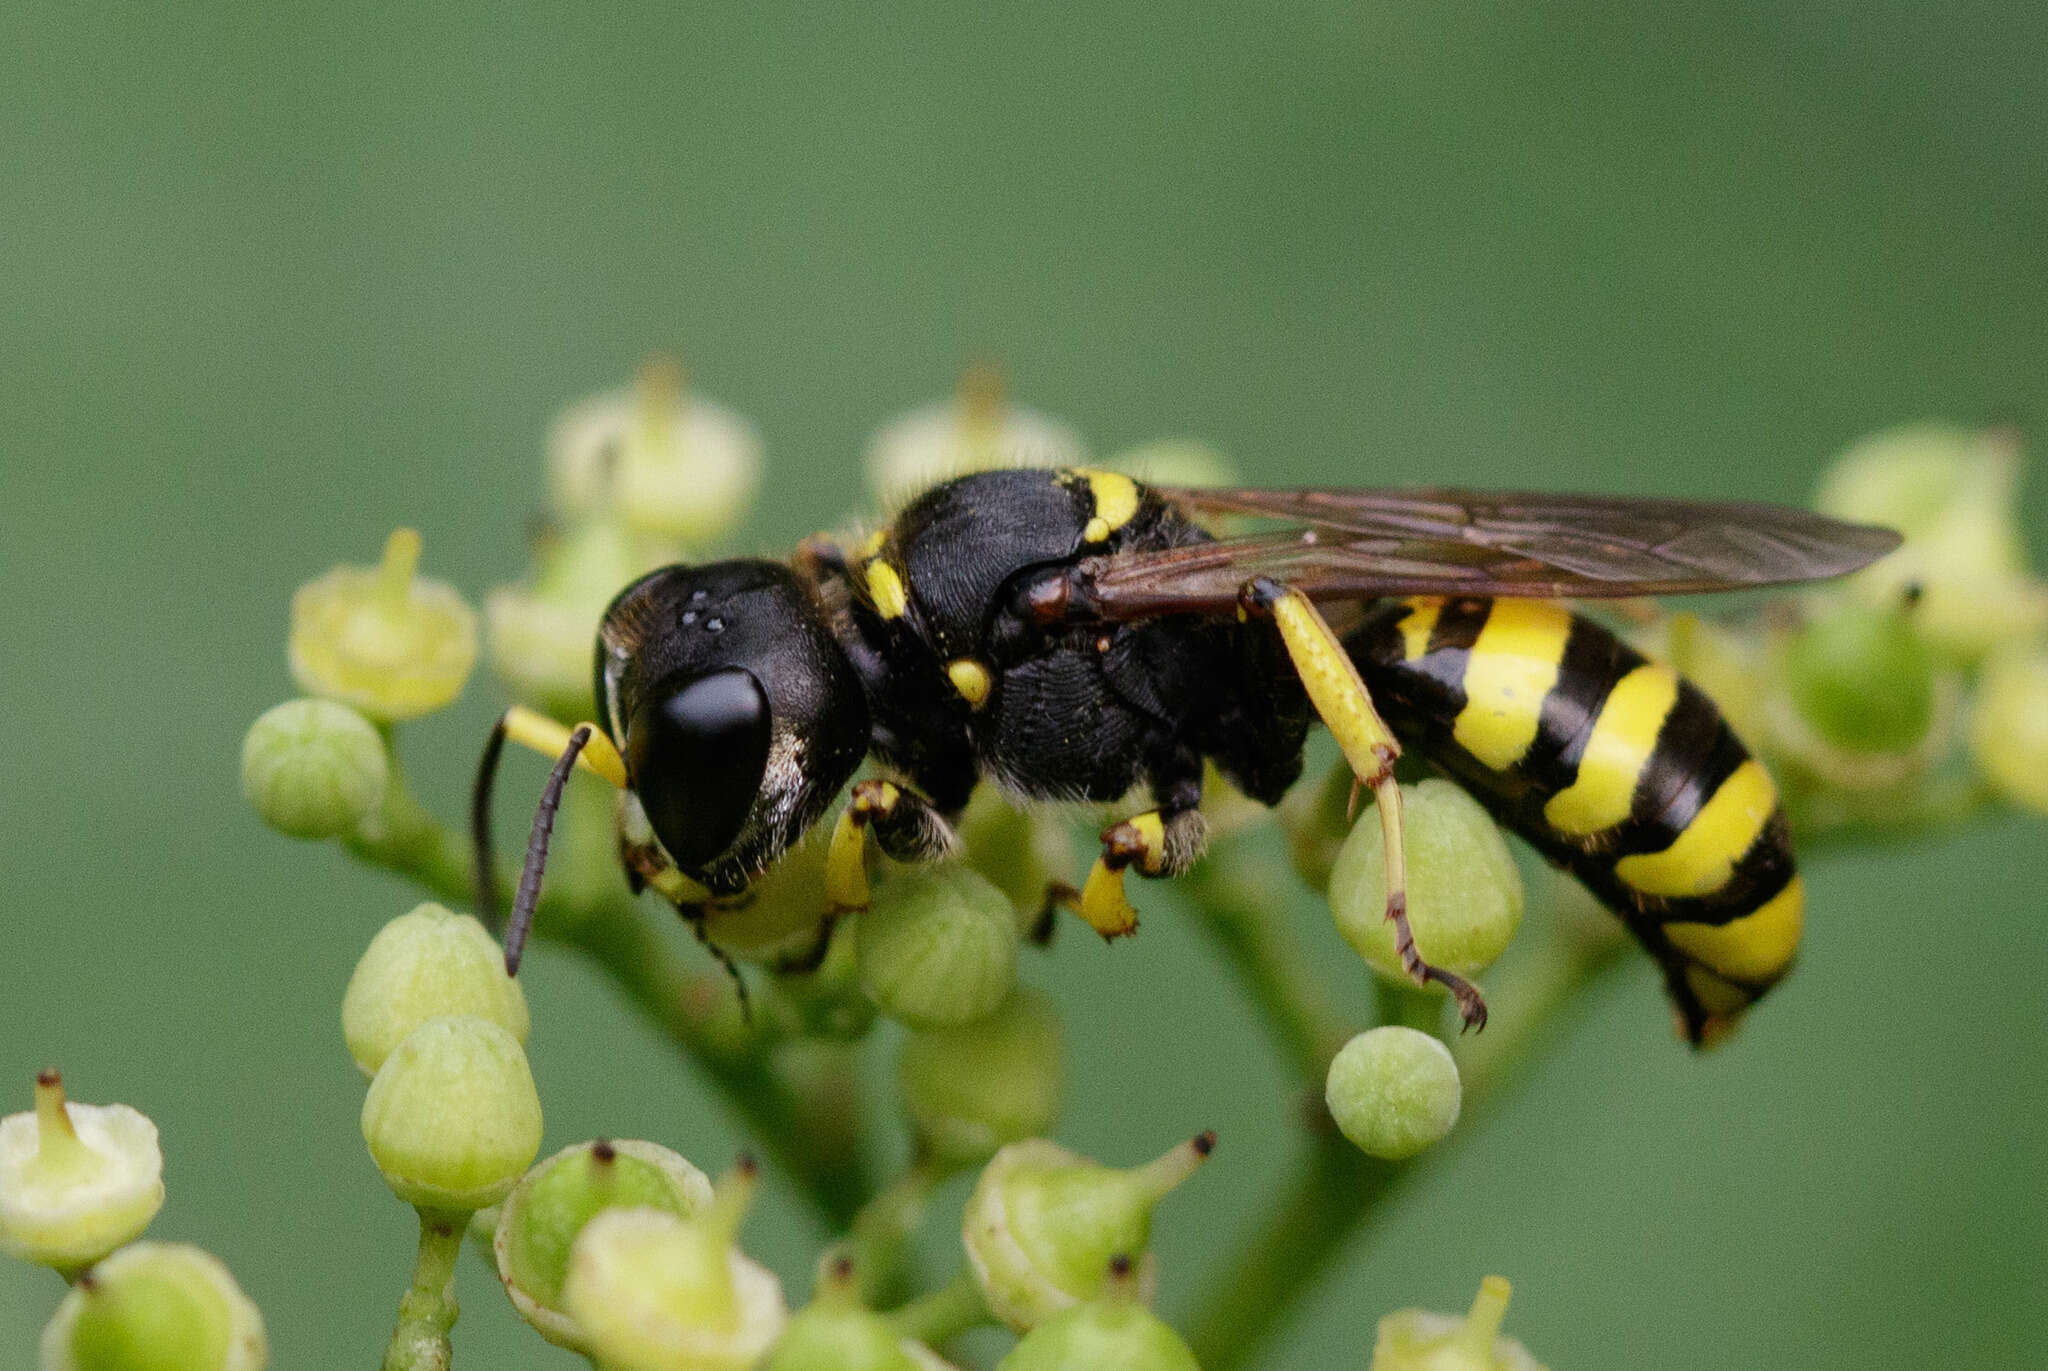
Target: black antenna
column 528, row 896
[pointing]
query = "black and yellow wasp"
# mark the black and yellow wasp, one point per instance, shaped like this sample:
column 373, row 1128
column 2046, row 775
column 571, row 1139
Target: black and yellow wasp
column 1070, row 633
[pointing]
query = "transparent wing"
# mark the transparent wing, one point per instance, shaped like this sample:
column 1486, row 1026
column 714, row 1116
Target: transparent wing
column 1349, row 544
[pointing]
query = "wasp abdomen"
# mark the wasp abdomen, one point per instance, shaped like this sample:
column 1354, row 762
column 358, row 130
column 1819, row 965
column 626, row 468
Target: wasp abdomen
column 1613, row 766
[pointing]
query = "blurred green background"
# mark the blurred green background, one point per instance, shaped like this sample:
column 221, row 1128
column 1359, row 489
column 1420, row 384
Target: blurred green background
column 276, row 278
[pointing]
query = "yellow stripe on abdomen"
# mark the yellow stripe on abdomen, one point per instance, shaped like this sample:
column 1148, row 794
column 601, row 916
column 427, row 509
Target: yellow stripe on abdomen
column 1623, row 738
column 1702, row 858
column 1416, row 626
column 1511, row 668
column 1756, row 947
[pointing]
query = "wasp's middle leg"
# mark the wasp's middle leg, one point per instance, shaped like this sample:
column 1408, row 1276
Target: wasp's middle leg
column 1162, row 842
column 1341, row 700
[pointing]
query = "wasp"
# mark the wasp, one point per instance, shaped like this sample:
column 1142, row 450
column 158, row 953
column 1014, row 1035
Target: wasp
column 1075, row 634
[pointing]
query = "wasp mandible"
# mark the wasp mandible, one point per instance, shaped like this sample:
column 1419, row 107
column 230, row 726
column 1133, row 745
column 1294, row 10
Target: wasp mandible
column 1071, row 633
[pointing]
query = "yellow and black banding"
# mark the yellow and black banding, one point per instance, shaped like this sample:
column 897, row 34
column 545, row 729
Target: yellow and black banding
column 1614, row 767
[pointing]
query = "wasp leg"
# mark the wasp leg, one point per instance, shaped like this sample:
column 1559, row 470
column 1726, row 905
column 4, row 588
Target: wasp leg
column 1159, row 843
column 1058, row 895
column 906, row 825
column 1341, row 700
column 585, row 744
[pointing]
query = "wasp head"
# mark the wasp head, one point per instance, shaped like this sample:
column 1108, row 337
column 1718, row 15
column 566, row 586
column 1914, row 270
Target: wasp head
column 737, row 712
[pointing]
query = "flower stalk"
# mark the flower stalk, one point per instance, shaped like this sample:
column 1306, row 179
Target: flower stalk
column 427, row 1310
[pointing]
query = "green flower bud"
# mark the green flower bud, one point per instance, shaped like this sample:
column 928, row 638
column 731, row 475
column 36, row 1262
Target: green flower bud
column 156, row 1307
column 1317, row 819
column 1953, row 493
column 381, row 639
column 1116, row 1330
column 938, row 947
column 1415, row 1340
column 452, row 1118
column 972, row 1089
column 2009, row 725
column 555, row 1200
column 1863, row 677
column 836, row 1332
column 76, row 1180
column 540, row 635
column 826, row 1001
column 1393, row 1091
column 655, row 1292
column 1176, row 462
column 1464, row 891
column 1042, row 1224
column 425, row 965
column 1020, row 851
column 977, row 430
column 782, row 913
column 668, row 463
column 313, row 768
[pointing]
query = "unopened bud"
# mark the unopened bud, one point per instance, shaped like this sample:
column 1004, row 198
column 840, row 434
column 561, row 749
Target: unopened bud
column 541, row 634
column 2009, row 725
column 425, row 965
column 654, row 1292
column 978, row 430
column 664, row 461
column 313, row 768
column 1464, row 890
column 1393, row 1091
column 1415, row 1340
column 1176, row 462
column 1862, row 677
column 553, row 1202
column 836, row 1332
column 1115, row 1329
column 1042, row 1225
column 76, row 1180
column 1953, row 493
column 938, row 947
column 452, row 1118
column 156, row 1307
column 382, row 639
column 972, row 1089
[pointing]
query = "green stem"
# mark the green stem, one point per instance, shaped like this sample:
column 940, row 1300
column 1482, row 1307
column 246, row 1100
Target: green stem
column 427, row 1311
column 799, row 1123
column 944, row 1314
column 1336, row 1190
column 1233, row 894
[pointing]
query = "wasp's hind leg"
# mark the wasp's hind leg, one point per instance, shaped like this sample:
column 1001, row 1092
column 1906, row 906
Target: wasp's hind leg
column 1161, row 842
column 1340, row 698
column 906, row 825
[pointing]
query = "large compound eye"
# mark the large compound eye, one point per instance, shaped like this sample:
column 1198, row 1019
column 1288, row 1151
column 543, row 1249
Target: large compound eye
column 697, row 750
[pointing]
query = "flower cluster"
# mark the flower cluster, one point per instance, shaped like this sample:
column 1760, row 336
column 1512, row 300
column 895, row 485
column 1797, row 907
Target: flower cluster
column 1906, row 697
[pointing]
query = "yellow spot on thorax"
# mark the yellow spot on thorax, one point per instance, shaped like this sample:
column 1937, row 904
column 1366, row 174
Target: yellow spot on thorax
column 1701, row 859
column 1619, row 747
column 1116, row 501
column 1510, row 669
column 1756, row 947
column 1416, row 626
column 885, row 588
column 970, row 678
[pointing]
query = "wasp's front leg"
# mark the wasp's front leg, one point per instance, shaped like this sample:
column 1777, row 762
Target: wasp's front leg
column 906, row 825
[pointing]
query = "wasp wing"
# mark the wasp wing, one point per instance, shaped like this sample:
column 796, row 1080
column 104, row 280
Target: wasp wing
column 1352, row 544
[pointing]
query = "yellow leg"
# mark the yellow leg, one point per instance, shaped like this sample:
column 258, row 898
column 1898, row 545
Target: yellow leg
column 530, row 728
column 1341, row 700
column 846, row 867
column 1140, row 839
